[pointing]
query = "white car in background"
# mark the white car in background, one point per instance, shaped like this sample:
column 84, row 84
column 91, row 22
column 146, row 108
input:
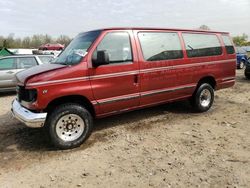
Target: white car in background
column 10, row 65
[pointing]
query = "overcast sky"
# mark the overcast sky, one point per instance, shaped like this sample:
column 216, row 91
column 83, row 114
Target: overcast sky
column 56, row 17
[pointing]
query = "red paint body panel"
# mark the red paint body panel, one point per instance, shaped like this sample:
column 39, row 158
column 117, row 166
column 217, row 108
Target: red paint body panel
column 116, row 88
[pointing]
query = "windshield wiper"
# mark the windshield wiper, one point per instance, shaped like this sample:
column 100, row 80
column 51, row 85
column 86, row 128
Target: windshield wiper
column 62, row 63
column 190, row 47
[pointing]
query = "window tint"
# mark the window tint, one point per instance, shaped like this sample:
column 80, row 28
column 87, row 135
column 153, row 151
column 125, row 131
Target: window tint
column 198, row 45
column 228, row 44
column 117, row 44
column 26, row 62
column 8, row 63
column 160, row 46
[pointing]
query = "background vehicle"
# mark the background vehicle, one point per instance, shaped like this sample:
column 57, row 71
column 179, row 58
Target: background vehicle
column 109, row 71
column 241, row 55
column 10, row 65
column 51, row 47
column 247, row 69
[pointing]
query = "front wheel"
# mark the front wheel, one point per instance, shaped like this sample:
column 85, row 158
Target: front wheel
column 203, row 98
column 69, row 125
column 247, row 75
column 242, row 64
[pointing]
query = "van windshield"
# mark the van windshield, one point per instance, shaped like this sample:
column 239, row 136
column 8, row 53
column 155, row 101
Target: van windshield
column 77, row 48
column 240, row 50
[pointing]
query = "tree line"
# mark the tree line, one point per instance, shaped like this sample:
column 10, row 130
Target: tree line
column 32, row 41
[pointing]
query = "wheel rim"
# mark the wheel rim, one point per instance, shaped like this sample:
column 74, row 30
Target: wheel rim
column 205, row 98
column 241, row 65
column 70, row 127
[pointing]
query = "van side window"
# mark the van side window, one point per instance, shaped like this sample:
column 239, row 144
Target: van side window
column 199, row 45
column 118, row 46
column 228, row 44
column 158, row 46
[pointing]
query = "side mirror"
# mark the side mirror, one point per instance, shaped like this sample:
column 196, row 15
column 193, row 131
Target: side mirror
column 100, row 58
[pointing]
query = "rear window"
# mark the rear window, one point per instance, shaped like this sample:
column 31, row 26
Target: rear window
column 158, row 46
column 199, row 45
column 8, row 63
column 26, row 62
column 228, row 44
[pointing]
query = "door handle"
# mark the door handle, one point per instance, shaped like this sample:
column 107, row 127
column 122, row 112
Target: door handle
column 136, row 79
column 10, row 72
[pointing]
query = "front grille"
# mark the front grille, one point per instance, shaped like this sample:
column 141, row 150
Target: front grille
column 28, row 95
column 19, row 91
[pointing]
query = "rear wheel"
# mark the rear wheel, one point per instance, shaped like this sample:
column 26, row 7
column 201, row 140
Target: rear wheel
column 203, row 98
column 69, row 125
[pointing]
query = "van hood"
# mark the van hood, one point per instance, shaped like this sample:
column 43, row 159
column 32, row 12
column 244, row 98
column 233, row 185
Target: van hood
column 24, row 75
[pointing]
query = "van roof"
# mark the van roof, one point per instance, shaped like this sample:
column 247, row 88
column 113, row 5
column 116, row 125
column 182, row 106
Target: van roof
column 166, row 29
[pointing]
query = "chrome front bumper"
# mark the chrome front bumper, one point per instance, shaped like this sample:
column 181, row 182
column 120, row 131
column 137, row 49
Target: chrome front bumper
column 31, row 119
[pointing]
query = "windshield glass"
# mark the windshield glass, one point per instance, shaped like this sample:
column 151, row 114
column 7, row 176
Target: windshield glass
column 240, row 50
column 77, row 48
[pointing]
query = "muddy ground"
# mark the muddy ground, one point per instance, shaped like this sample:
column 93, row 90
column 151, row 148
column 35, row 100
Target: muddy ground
column 163, row 146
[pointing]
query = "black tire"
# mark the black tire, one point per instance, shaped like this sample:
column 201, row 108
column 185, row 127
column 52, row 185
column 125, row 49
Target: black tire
column 247, row 75
column 200, row 95
column 45, row 49
column 53, row 124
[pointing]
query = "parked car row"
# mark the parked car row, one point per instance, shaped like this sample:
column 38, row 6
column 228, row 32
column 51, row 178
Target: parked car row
column 10, row 65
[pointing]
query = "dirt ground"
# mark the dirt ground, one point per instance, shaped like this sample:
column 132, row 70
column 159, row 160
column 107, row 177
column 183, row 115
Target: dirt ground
column 163, row 146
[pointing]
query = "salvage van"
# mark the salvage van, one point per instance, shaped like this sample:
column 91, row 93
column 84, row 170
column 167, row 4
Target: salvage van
column 114, row 70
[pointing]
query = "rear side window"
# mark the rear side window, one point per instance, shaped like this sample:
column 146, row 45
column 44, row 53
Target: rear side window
column 158, row 46
column 228, row 44
column 118, row 46
column 26, row 62
column 199, row 45
column 8, row 63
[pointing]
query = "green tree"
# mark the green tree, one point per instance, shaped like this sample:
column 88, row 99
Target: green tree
column 240, row 40
column 32, row 41
column 63, row 39
column 26, row 42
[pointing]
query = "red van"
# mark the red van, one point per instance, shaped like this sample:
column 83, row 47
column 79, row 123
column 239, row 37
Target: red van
column 109, row 71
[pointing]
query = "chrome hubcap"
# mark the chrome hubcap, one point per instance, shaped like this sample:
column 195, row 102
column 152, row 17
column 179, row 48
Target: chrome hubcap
column 70, row 127
column 241, row 65
column 205, row 98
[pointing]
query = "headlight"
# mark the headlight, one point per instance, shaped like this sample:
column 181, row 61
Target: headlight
column 28, row 95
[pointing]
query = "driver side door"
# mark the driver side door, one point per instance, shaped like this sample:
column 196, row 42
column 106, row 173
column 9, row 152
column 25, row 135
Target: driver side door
column 116, row 85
